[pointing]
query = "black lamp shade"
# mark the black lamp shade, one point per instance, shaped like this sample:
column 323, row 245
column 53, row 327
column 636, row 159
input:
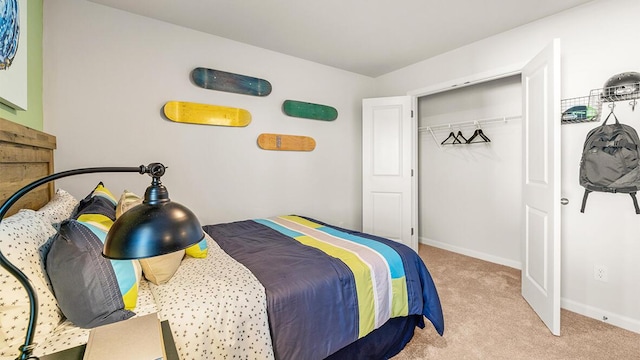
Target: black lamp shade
column 149, row 230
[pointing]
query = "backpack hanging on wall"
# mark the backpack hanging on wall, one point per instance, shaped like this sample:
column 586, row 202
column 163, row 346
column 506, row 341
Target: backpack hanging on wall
column 610, row 161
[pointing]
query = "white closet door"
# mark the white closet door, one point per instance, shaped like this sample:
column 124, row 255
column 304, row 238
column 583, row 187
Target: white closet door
column 387, row 149
column 541, row 210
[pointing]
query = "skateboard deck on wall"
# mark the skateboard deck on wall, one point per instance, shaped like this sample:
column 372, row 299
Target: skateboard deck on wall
column 229, row 82
column 309, row 110
column 286, row 142
column 194, row 113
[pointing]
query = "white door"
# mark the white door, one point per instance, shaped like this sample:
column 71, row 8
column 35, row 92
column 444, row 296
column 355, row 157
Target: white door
column 541, row 208
column 388, row 132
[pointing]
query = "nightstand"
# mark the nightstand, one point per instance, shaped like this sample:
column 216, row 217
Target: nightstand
column 77, row 352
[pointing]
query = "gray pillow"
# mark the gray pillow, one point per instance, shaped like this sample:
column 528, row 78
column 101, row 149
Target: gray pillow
column 83, row 281
column 90, row 289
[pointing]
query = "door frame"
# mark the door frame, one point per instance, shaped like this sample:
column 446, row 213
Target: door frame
column 494, row 74
column 479, row 78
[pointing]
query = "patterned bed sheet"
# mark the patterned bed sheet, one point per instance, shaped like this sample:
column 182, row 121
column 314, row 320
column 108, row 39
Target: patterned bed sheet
column 215, row 306
column 216, row 309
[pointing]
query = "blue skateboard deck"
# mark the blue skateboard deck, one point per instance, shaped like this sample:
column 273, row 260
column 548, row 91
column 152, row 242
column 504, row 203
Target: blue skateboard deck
column 229, row 82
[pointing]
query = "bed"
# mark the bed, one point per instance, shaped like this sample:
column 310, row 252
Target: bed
column 284, row 287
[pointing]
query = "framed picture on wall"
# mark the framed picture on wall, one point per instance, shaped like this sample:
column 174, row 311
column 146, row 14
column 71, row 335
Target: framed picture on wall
column 13, row 53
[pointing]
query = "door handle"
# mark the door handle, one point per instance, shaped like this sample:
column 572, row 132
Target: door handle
column 564, row 201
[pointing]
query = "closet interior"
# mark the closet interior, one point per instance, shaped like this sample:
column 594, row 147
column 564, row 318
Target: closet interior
column 470, row 163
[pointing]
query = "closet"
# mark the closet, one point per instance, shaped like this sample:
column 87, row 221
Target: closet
column 474, row 198
column 470, row 195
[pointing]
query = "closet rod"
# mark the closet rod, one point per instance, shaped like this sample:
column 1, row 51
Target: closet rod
column 468, row 123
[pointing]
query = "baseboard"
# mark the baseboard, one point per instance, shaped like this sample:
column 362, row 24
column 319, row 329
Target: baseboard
column 472, row 253
column 602, row 315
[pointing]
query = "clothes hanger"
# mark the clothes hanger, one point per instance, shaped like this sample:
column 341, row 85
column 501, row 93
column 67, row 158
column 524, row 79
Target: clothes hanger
column 477, row 133
column 451, row 136
column 460, row 136
column 486, row 139
column 456, row 140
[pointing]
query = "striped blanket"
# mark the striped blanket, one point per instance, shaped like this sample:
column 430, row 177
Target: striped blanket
column 326, row 286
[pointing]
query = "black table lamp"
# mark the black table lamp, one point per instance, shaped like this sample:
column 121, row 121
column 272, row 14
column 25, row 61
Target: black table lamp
column 155, row 227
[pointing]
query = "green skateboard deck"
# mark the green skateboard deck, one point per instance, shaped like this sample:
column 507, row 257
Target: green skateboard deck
column 193, row 113
column 286, row 142
column 309, row 110
column 229, row 82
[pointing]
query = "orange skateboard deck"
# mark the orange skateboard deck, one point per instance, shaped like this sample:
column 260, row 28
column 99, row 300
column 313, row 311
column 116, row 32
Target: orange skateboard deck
column 286, row 142
column 194, row 113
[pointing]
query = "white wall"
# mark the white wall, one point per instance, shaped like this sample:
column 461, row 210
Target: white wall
column 108, row 73
column 599, row 39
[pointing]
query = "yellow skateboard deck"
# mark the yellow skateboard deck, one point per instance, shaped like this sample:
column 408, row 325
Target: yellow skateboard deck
column 286, row 142
column 194, row 113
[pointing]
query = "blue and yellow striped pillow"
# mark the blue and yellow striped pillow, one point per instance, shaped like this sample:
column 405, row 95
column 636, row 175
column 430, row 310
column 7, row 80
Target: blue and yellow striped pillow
column 127, row 272
column 198, row 250
column 91, row 290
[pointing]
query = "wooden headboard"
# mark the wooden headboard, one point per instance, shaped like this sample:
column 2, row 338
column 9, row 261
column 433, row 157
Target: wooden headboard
column 25, row 156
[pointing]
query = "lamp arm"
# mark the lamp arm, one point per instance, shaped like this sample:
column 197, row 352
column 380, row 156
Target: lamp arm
column 155, row 170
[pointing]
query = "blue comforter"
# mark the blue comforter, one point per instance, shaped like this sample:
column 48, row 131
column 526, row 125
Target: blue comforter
column 326, row 286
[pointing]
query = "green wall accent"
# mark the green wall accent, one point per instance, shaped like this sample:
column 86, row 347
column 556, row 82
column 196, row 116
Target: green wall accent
column 33, row 116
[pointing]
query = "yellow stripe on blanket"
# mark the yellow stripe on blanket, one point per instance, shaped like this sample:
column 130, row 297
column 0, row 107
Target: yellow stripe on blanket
column 301, row 221
column 400, row 303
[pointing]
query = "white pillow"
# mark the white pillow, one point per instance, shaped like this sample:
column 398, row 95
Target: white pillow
column 22, row 237
column 157, row 269
column 59, row 208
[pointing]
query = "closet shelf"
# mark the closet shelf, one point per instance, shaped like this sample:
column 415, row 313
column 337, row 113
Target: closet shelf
column 588, row 108
column 477, row 123
column 469, row 123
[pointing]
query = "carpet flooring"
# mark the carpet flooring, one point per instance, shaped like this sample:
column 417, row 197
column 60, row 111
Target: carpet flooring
column 487, row 318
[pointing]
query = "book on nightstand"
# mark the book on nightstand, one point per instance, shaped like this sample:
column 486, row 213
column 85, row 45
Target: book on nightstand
column 138, row 338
